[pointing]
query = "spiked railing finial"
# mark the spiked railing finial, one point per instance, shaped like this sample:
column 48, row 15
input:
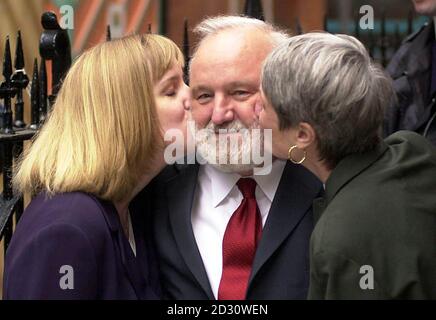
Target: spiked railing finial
column 7, row 63
column 253, row 8
column 19, row 56
column 7, row 91
column 298, row 28
column 108, row 33
column 20, row 81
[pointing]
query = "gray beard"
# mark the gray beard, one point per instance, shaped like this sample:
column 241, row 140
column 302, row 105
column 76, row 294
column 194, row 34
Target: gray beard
column 243, row 151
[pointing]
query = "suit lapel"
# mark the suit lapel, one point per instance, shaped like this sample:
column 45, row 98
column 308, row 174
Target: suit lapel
column 179, row 193
column 292, row 201
column 318, row 209
column 128, row 260
column 145, row 258
column 133, row 271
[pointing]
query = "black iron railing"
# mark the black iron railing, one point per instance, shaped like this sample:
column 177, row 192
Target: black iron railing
column 54, row 46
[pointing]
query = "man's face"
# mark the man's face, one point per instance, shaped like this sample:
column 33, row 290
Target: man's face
column 225, row 79
column 425, row 7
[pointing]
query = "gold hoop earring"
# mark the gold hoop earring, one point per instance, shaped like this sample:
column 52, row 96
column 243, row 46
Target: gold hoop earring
column 292, row 159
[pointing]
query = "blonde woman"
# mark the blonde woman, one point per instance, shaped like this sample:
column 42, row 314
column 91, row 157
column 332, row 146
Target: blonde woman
column 102, row 144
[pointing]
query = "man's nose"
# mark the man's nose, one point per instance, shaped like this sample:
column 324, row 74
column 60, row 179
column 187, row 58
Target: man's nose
column 187, row 98
column 222, row 111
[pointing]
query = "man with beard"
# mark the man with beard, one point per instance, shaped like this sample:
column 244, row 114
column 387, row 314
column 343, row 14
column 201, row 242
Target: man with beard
column 221, row 231
column 413, row 69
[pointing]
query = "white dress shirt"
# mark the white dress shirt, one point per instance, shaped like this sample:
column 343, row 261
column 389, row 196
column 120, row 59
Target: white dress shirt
column 216, row 198
column 131, row 235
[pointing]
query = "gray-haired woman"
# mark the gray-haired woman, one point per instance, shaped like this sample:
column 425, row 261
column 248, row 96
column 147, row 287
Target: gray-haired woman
column 375, row 233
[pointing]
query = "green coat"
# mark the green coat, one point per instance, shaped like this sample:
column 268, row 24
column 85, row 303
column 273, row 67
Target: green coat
column 378, row 221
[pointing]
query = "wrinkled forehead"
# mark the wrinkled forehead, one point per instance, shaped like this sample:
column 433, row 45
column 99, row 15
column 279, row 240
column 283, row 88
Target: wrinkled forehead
column 232, row 42
column 236, row 52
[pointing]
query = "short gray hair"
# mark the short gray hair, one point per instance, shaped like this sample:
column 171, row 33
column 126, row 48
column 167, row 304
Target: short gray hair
column 214, row 25
column 330, row 82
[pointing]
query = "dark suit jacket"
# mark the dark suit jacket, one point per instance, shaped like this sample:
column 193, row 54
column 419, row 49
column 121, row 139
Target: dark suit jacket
column 81, row 231
column 379, row 211
column 281, row 264
column 411, row 70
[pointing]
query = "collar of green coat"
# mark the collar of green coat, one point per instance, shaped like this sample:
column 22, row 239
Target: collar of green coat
column 346, row 170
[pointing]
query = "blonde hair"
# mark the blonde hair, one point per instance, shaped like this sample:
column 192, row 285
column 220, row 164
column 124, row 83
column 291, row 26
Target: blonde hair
column 103, row 129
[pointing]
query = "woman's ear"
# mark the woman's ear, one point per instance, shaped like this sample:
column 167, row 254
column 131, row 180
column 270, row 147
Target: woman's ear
column 305, row 135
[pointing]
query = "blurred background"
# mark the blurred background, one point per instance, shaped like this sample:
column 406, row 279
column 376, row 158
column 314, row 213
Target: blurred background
column 166, row 17
column 394, row 19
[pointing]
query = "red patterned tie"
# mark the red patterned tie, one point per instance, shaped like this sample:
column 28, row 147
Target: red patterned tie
column 239, row 244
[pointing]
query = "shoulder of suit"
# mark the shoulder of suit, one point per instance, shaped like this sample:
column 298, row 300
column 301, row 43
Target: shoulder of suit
column 410, row 137
column 72, row 208
column 71, row 202
column 412, row 36
column 409, row 148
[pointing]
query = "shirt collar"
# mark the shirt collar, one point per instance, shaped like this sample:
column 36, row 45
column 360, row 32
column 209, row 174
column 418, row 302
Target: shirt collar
column 270, row 182
column 267, row 183
column 221, row 183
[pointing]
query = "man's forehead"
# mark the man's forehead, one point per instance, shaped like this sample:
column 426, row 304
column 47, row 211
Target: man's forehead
column 222, row 71
column 232, row 44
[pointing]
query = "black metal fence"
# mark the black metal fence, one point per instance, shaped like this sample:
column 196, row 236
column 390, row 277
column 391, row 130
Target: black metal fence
column 55, row 46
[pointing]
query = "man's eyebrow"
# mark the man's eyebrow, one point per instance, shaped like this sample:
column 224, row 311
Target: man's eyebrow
column 196, row 89
column 242, row 84
column 233, row 84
